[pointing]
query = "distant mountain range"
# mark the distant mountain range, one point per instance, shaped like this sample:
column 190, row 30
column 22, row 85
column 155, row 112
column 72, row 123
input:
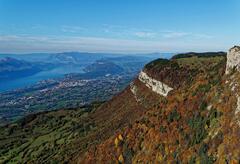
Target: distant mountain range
column 11, row 68
column 68, row 57
column 101, row 68
column 75, row 58
column 14, row 66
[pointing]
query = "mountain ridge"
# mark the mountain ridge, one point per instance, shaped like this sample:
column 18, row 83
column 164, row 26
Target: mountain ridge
column 11, row 68
column 190, row 126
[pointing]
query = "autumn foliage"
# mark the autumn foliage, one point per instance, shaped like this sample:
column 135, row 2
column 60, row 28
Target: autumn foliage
column 193, row 124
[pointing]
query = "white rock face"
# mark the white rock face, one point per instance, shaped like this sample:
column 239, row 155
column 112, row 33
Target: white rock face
column 233, row 62
column 233, row 59
column 134, row 90
column 237, row 111
column 154, row 85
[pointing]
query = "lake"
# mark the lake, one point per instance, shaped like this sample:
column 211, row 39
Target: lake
column 58, row 72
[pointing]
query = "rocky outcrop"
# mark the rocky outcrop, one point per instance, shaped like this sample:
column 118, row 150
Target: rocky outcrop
column 134, row 90
column 155, row 85
column 233, row 59
column 233, row 63
column 237, row 111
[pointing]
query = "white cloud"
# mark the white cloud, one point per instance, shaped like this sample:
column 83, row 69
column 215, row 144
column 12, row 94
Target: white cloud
column 117, row 30
column 28, row 44
column 140, row 33
column 203, row 36
column 172, row 34
column 23, row 43
column 72, row 29
column 175, row 35
column 145, row 34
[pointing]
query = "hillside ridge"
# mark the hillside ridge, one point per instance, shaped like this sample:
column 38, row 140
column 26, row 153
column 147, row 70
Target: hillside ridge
column 196, row 122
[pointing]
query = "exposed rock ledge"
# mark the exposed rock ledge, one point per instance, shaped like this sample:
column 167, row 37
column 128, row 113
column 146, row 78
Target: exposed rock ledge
column 134, row 89
column 233, row 59
column 233, row 62
column 154, row 85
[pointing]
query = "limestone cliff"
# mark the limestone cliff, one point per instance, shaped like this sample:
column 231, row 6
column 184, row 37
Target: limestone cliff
column 154, row 85
column 233, row 59
column 233, row 80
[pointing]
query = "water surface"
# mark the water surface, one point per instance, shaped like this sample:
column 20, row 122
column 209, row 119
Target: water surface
column 58, row 72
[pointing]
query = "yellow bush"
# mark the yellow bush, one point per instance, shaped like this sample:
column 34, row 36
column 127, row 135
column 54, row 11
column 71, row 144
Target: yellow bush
column 120, row 158
column 120, row 137
column 116, row 142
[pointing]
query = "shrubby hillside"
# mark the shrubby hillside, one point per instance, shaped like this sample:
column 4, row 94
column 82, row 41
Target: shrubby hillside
column 196, row 122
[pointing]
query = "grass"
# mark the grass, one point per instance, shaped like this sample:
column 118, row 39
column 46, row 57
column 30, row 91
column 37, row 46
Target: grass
column 196, row 62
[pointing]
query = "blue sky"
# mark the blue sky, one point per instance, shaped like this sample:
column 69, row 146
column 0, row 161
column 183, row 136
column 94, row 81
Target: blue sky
column 128, row 26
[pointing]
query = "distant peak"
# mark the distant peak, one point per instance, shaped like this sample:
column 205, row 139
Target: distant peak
column 7, row 59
